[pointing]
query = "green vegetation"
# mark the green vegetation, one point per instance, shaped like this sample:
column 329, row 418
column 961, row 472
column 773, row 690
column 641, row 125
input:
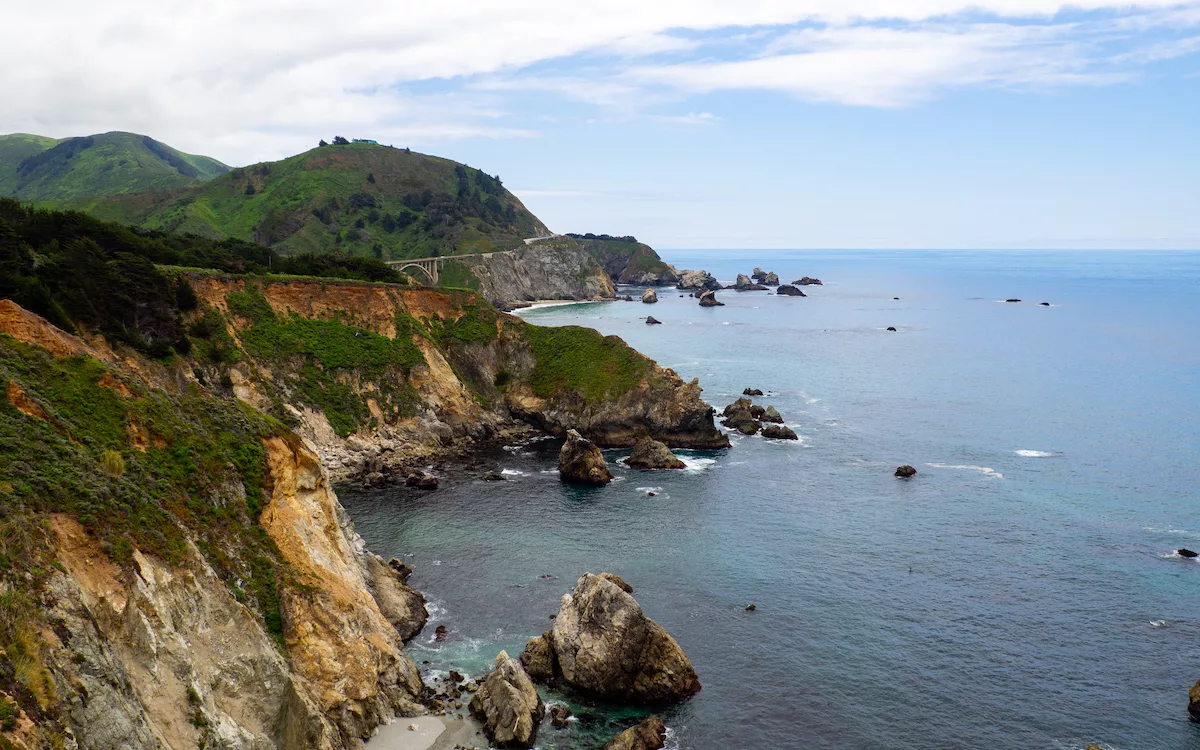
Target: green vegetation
column 355, row 198
column 8, row 715
column 623, row 258
column 325, row 357
column 476, row 325
column 73, row 270
column 455, row 274
column 45, row 170
column 149, row 472
column 578, row 359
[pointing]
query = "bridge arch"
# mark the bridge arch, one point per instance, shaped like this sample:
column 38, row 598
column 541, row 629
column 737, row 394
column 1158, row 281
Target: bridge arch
column 430, row 275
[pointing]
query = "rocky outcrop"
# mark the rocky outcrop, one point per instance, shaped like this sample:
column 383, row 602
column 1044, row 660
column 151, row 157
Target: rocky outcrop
column 770, row 279
column 624, row 259
column 906, row 471
column 709, row 299
column 651, row 734
column 539, row 272
column 508, row 705
column 649, row 297
column 771, row 414
column 787, row 290
column 807, row 281
column 752, row 392
column 602, row 645
column 778, row 432
column 738, row 413
column 581, row 462
column 651, row 454
column 653, row 321
column 402, row 605
column 697, row 280
column 1194, row 702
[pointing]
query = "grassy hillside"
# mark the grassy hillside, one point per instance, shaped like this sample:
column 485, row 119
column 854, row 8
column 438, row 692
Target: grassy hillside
column 60, row 172
column 360, row 199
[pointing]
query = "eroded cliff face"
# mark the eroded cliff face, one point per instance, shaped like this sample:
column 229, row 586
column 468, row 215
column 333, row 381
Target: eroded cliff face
column 146, row 652
column 540, row 272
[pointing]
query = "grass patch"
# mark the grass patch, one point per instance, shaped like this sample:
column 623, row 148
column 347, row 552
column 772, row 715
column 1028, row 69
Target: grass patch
column 571, row 358
column 476, row 325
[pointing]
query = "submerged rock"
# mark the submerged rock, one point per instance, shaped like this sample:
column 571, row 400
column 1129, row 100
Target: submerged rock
column 807, row 281
column 905, row 471
column 1185, row 552
column 752, row 392
column 493, row 476
column 1012, row 300
column 581, row 462
column 651, row 454
column 649, row 296
column 779, row 432
column 892, row 328
column 422, row 480
column 604, row 646
column 709, row 299
column 653, row 321
column 651, row 734
column 787, row 290
column 508, row 705
column 771, row 414
column 1044, row 304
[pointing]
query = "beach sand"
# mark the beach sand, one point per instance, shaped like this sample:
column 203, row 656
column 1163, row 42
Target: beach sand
column 432, row 733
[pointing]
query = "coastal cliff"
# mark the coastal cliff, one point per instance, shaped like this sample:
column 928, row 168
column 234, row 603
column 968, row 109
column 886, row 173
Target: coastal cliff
column 178, row 569
column 535, row 272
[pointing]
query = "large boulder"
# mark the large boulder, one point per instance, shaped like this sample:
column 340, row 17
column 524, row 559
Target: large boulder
column 651, row 454
column 709, row 299
column 508, row 705
column 581, row 462
column 649, row 296
column 653, row 321
column 651, row 734
column 779, row 432
column 770, row 279
column 603, row 646
column 742, row 281
column 771, row 414
column 807, row 281
column 787, row 290
column 905, row 471
column 697, row 280
column 1194, row 702
column 740, row 416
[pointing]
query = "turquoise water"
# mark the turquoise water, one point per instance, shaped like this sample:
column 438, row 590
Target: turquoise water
column 1020, row 592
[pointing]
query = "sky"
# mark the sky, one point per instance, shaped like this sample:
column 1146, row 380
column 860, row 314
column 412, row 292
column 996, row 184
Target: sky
column 688, row 123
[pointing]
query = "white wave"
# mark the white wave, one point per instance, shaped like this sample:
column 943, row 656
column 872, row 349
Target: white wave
column 437, row 562
column 1035, row 454
column 726, row 323
column 808, row 400
column 1158, row 623
column 658, row 491
column 436, row 610
column 512, row 472
column 697, row 465
column 548, row 471
column 969, row 467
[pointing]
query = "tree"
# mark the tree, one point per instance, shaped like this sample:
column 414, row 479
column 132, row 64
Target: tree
column 371, row 178
column 340, row 141
column 322, row 143
column 249, row 189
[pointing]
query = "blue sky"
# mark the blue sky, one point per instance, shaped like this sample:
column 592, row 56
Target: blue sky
column 803, row 124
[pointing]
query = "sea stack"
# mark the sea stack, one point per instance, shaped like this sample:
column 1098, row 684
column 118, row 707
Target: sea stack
column 709, row 299
column 651, row 454
column 651, row 734
column 508, row 705
column 581, row 462
column 649, row 296
column 603, row 646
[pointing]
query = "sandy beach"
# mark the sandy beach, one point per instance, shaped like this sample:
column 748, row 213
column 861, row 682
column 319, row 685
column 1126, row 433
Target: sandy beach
column 431, row 733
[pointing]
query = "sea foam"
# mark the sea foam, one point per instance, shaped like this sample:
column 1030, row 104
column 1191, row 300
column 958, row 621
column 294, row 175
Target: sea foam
column 1035, row 454
column 969, row 467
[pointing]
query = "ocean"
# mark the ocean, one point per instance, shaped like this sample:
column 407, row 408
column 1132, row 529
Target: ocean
column 1020, row 592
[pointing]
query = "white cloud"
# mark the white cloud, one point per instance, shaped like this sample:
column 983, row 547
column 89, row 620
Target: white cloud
column 246, row 79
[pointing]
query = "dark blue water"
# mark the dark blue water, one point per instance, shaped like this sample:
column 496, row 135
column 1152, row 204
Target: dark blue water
column 1021, row 592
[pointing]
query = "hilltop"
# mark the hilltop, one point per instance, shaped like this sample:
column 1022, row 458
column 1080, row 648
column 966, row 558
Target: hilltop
column 47, row 170
column 359, row 199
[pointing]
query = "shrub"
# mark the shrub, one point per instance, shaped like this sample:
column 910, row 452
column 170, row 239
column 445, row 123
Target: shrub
column 113, row 464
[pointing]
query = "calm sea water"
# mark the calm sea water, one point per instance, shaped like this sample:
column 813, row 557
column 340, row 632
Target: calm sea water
column 1020, row 593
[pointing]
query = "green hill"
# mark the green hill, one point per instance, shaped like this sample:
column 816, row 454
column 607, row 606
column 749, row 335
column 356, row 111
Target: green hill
column 60, row 172
column 359, row 199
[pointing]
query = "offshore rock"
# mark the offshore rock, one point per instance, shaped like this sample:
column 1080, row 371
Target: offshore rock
column 651, row 734
column 778, row 432
column 807, row 281
column 651, row 454
column 581, row 462
column 422, row 480
column 653, row 321
column 752, row 392
column 771, row 414
column 748, row 428
column 698, row 280
column 757, row 411
column 709, row 299
column 906, row 471
column 508, row 705
column 770, row 279
column 649, row 296
column 559, row 716
column 604, row 646
column 787, row 290
column 1194, row 702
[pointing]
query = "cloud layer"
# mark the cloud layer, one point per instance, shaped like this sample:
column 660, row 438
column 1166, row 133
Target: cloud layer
column 247, row 80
